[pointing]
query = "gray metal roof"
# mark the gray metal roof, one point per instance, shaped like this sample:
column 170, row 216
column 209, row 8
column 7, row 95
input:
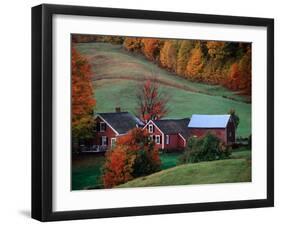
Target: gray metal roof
column 173, row 126
column 208, row 121
column 122, row 122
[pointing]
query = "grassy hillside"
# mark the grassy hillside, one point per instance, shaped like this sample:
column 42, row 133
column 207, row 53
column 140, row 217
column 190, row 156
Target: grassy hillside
column 117, row 73
column 222, row 171
column 86, row 171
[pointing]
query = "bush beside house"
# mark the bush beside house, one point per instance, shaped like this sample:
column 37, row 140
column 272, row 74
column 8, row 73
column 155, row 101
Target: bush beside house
column 207, row 148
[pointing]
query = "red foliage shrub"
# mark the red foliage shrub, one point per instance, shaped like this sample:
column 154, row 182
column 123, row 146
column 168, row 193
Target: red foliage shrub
column 120, row 165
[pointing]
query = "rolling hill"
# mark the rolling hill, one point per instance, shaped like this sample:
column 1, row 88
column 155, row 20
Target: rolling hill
column 118, row 72
column 221, row 171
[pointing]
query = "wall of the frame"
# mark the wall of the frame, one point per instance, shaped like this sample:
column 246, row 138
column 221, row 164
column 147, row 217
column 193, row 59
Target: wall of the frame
column 15, row 92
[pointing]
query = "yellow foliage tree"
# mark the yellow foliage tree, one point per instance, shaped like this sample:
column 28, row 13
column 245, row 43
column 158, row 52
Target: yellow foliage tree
column 168, row 55
column 195, row 64
column 185, row 47
column 132, row 44
column 216, row 49
column 150, row 48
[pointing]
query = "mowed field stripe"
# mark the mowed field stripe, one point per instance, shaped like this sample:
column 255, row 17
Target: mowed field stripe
column 162, row 82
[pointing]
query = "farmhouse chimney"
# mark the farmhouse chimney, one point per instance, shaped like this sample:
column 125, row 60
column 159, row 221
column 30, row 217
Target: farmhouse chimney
column 118, row 109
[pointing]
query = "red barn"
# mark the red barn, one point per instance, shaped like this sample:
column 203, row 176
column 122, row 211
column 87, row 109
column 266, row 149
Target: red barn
column 110, row 126
column 221, row 126
column 168, row 133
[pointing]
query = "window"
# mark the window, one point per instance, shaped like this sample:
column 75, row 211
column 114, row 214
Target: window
column 150, row 128
column 167, row 139
column 113, row 142
column 151, row 137
column 102, row 127
column 157, row 139
column 104, row 140
column 230, row 134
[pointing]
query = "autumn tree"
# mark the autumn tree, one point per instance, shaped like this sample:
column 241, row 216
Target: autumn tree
column 233, row 77
column 151, row 102
column 183, row 55
column 168, row 55
column 112, row 39
column 82, row 102
column 83, row 38
column 118, row 166
column 216, row 49
column 245, row 67
column 132, row 44
column 151, row 48
column 240, row 73
column 134, row 155
column 195, row 64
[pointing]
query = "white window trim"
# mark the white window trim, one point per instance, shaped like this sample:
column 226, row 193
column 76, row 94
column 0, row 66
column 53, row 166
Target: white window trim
column 108, row 125
column 113, row 139
column 167, row 139
column 150, row 128
column 151, row 137
column 101, row 126
column 157, row 137
column 150, row 121
column 103, row 138
column 184, row 140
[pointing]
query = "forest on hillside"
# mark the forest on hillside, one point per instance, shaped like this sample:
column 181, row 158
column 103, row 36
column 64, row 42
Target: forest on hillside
column 212, row 62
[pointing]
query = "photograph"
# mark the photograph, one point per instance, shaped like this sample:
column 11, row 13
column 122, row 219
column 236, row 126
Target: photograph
column 156, row 111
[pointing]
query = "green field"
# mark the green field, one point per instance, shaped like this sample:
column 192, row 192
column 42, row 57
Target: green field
column 221, row 171
column 118, row 72
column 86, row 170
column 241, row 153
column 169, row 160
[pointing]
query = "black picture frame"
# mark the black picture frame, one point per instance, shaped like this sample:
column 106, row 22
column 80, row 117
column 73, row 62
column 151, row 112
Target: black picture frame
column 42, row 83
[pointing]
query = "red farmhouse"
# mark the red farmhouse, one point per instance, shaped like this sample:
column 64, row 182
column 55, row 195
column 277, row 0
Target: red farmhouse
column 221, row 126
column 110, row 126
column 168, row 133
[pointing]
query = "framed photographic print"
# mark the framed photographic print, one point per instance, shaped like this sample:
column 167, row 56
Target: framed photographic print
column 147, row 112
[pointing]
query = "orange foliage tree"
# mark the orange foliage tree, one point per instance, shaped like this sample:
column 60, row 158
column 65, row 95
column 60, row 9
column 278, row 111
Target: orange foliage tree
column 151, row 103
column 168, row 55
column 132, row 44
column 233, row 77
column 83, row 100
column 216, row 49
column 195, row 64
column 239, row 77
column 150, row 48
column 133, row 155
